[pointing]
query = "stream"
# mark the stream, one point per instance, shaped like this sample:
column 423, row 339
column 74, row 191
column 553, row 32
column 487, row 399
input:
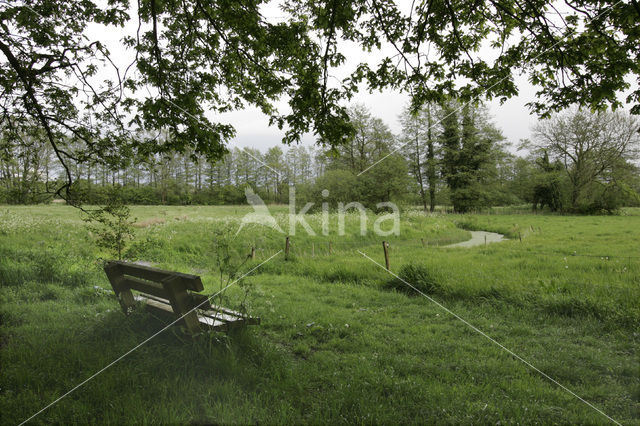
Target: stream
column 478, row 239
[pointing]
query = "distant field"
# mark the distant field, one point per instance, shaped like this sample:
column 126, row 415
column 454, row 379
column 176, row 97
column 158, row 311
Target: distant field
column 341, row 340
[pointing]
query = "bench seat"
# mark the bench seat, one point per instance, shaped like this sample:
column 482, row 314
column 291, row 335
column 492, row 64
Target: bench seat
column 171, row 293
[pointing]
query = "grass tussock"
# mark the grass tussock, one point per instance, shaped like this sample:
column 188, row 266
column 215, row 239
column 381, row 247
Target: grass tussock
column 414, row 277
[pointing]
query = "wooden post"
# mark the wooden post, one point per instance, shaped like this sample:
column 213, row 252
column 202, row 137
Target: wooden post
column 124, row 295
column 286, row 249
column 253, row 252
column 313, row 249
column 179, row 299
column 385, row 247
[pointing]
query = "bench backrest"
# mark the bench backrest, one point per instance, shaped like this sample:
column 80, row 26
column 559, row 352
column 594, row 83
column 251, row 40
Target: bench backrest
column 134, row 276
column 168, row 285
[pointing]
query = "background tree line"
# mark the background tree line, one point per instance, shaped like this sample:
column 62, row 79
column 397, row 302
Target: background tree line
column 446, row 154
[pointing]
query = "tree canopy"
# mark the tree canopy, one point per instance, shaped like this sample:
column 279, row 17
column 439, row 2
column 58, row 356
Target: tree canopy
column 592, row 148
column 194, row 58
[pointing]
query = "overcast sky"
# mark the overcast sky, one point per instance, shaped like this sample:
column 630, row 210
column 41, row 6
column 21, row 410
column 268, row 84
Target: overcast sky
column 512, row 117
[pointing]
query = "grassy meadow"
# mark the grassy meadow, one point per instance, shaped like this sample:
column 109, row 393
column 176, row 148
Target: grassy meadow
column 341, row 340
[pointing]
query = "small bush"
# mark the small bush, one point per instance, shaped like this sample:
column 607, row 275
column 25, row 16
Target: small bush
column 419, row 276
column 112, row 225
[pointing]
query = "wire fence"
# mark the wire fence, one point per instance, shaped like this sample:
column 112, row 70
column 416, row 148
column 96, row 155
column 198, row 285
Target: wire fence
column 334, row 247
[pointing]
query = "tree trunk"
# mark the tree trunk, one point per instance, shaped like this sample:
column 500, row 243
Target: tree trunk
column 431, row 164
column 418, row 171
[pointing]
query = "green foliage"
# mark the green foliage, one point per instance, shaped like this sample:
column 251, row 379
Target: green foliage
column 470, row 152
column 112, row 226
column 387, row 181
column 228, row 262
column 593, row 150
column 547, row 189
column 252, row 60
column 459, row 162
column 341, row 184
column 418, row 276
column 418, row 139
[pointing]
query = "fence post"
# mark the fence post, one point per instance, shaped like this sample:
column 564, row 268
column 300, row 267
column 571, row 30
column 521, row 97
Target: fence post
column 253, row 252
column 286, row 249
column 386, row 254
column 313, row 249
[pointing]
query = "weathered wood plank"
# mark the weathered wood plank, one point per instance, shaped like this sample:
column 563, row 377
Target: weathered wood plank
column 221, row 313
column 181, row 302
column 227, row 311
column 192, row 282
column 164, row 307
column 231, row 317
column 155, row 304
column 208, row 319
column 200, row 300
column 148, row 287
column 214, row 324
column 124, row 295
column 222, row 316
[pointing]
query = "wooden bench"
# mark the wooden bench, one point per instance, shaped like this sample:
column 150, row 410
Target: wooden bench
column 168, row 292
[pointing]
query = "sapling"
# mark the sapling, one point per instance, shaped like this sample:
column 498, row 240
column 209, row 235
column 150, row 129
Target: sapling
column 228, row 263
column 112, row 226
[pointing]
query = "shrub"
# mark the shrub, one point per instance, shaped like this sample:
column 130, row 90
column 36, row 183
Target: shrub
column 112, row 226
column 419, row 276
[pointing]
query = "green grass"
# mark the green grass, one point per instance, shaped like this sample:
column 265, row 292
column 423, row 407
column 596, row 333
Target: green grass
column 341, row 340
